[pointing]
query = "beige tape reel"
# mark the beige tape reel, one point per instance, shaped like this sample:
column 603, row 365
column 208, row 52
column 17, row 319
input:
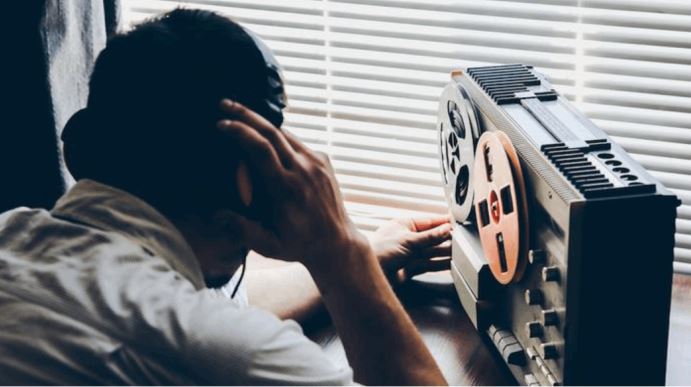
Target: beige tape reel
column 458, row 128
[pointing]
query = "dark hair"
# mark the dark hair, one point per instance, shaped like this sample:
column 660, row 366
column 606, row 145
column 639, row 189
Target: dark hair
column 149, row 126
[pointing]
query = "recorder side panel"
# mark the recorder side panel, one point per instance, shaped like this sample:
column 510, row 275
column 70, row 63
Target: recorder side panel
column 620, row 266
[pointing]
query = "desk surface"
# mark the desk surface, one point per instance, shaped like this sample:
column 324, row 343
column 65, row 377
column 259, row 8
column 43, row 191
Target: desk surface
column 466, row 359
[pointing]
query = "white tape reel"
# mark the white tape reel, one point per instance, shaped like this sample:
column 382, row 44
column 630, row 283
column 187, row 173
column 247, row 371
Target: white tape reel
column 459, row 130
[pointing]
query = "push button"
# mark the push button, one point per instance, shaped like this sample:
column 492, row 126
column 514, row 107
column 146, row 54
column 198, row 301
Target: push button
column 514, row 354
column 549, row 351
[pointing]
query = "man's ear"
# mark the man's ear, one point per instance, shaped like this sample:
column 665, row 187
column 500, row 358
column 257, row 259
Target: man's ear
column 244, row 184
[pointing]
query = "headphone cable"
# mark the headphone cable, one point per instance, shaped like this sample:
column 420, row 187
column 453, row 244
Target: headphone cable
column 242, row 275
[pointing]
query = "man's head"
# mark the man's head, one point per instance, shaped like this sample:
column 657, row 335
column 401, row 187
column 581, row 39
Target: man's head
column 149, row 126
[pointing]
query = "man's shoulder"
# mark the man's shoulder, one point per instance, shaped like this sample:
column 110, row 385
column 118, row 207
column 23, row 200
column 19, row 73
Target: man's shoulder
column 23, row 228
column 76, row 268
column 36, row 233
column 20, row 214
column 61, row 276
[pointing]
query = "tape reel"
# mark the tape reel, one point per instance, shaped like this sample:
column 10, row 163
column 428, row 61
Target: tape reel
column 459, row 130
column 501, row 207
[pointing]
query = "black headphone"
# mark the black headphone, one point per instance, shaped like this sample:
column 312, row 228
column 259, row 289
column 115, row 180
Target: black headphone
column 276, row 97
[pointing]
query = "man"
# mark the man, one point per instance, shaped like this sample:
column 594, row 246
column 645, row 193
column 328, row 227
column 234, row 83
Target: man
column 111, row 285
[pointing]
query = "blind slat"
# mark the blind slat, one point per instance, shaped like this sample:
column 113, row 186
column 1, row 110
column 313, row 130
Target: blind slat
column 364, row 76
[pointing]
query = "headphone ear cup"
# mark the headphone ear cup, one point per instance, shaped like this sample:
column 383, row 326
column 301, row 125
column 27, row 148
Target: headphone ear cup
column 276, row 98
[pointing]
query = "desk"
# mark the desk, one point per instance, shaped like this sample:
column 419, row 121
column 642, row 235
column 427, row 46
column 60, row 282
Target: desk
column 466, row 359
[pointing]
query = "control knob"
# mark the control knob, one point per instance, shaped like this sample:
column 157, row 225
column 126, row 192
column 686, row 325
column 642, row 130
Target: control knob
column 536, row 257
column 533, row 297
column 534, row 329
column 550, row 317
column 550, row 273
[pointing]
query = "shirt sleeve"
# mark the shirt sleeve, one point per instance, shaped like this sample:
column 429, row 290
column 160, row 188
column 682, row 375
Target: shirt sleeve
column 222, row 342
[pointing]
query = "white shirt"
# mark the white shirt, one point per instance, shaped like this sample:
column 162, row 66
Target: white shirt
column 105, row 290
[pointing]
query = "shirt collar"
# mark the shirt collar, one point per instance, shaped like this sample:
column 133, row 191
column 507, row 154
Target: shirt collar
column 110, row 209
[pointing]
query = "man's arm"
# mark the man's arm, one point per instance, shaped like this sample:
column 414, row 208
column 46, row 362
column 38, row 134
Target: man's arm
column 285, row 289
column 411, row 245
column 381, row 342
column 309, row 224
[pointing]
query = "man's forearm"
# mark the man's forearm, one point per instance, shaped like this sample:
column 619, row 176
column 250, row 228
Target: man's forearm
column 283, row 288
column 381, row 342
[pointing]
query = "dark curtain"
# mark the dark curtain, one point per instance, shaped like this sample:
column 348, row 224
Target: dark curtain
column 48, row 49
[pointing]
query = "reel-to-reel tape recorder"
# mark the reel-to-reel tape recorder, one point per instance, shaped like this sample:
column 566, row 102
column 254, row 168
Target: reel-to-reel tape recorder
column 563, row 244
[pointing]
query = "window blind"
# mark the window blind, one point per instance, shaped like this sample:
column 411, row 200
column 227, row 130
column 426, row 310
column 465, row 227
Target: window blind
column 364, row 77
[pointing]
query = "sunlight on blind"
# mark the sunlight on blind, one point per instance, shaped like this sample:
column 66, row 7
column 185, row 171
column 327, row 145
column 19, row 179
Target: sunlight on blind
column 364, row 77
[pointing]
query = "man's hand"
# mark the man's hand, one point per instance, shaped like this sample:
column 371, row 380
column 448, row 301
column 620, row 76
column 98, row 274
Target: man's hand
column 408, row 247
column 309, row 220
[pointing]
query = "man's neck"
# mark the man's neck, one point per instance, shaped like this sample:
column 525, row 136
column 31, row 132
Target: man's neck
column 219, row 255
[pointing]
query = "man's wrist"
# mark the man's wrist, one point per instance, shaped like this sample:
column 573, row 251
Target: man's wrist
column 346, row 257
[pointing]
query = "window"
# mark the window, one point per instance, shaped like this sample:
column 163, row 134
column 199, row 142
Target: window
column 364, row 77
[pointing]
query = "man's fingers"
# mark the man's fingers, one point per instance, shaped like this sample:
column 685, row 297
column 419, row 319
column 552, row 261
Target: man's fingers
column 427, row 266
column 258, row 149
column 325, row 160
column 431, row 237
column 440, row 250
column 295, row 143
column 308, row 153
column 241, row 114
column 422, row 224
